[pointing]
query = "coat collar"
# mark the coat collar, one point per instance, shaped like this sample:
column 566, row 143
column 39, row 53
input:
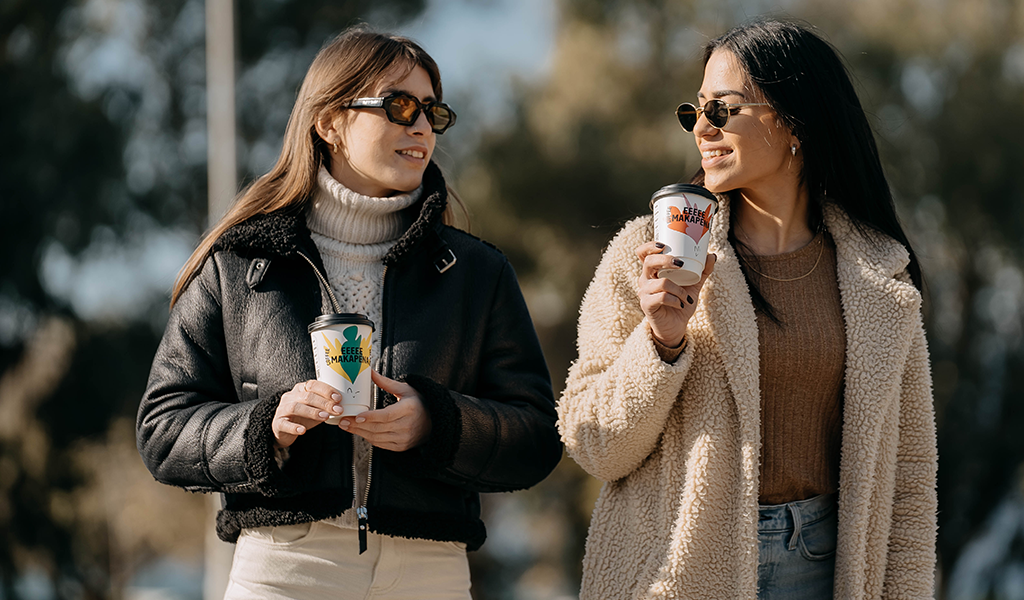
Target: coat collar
column 880, row 308
column 731, row 321
column 284, row 233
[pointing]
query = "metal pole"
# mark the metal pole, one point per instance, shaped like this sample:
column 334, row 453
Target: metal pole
column 220, row 106
column 216, row 557
column 222, row 184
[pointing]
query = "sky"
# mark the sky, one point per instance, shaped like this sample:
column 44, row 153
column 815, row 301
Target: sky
column 481, row 44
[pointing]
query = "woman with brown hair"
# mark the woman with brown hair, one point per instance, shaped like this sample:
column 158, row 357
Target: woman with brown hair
column 352, row 219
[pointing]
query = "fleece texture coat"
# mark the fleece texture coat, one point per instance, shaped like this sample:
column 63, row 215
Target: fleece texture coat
column 678, row 445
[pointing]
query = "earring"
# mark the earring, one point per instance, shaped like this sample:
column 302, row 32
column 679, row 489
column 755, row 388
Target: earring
column 792, row 149
column 336, row 148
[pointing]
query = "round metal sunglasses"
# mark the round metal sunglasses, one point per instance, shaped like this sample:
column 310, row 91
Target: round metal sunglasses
column 716, row 112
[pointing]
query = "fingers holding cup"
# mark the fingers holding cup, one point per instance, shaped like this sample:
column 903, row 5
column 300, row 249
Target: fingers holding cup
column 301, row 408
column 341, row 355
column 682, row 215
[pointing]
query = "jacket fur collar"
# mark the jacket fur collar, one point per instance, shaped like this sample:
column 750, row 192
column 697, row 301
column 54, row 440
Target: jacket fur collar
column 284, row 232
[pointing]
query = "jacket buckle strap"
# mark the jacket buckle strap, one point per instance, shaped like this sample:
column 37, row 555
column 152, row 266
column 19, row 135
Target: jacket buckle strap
column 257, row 269
column 445, row 260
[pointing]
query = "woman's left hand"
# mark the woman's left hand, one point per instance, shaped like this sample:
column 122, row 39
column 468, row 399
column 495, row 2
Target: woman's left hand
column 399, row 427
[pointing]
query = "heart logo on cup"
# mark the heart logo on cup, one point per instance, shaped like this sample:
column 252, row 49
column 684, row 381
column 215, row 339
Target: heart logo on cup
column 694, row 223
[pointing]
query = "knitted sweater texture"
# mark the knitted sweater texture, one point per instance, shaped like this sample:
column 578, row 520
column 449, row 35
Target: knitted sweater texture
column 801, row 370
column 353, row 232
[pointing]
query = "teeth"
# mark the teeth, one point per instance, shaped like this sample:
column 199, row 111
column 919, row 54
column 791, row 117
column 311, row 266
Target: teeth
column 714, row 153
column 412, row 153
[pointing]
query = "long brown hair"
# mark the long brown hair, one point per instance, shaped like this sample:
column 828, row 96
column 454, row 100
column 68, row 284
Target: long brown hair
column 349, row 66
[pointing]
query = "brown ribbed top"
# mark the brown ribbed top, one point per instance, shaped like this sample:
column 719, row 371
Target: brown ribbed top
column 802, row 362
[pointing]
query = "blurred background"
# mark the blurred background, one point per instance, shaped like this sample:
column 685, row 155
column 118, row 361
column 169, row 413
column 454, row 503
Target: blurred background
column 566, row 127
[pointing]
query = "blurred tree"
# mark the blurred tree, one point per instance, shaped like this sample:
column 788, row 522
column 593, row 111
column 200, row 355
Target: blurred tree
column 103, row 112
column 102, row 105
column 944, row 88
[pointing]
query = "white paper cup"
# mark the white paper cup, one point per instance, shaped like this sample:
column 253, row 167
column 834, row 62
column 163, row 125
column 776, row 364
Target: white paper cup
column 341, row 352
column 682, row 221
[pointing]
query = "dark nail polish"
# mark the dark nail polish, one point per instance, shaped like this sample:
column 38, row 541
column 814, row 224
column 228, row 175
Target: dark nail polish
column 689, row 300
column 677, row 262
column 659, row 245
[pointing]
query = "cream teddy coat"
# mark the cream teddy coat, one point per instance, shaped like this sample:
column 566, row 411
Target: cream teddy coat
column 678, row 445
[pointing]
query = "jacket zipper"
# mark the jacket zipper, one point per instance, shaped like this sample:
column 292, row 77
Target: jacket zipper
column 361, row 510
column 323, row 282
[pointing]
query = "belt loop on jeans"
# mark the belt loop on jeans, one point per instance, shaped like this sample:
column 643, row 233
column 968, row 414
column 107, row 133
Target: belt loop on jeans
column 793, row 510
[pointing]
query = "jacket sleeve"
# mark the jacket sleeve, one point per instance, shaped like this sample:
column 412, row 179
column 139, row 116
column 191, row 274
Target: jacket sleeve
column 910, row 567
column 619, row 392
column 503, row 438
column 192, row 431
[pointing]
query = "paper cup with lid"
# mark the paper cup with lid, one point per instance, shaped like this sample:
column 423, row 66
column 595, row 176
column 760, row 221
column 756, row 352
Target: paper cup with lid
column 341, row 352
column 682, row 221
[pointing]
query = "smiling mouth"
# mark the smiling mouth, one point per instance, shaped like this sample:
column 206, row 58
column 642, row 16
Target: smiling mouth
column 714, row 153
column 413, row 153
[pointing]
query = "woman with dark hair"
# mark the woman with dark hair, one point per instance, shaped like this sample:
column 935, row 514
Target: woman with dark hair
column 352, row 219
column 767, row 432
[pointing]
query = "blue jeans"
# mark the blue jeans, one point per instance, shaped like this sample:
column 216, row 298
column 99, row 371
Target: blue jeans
column 797, row 549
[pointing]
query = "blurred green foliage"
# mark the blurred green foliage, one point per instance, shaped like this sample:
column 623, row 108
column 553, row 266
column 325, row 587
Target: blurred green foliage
column 102, row 111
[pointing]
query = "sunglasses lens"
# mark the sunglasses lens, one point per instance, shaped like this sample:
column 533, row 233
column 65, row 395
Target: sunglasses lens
column 716, row 112
column 687, row 115
column 441, row 117
column 403, row 110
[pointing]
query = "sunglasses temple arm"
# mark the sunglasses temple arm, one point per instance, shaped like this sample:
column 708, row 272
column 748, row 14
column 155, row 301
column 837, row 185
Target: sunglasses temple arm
column 367, row 103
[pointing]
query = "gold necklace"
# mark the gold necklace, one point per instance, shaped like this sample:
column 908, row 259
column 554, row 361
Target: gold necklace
column 820, row 252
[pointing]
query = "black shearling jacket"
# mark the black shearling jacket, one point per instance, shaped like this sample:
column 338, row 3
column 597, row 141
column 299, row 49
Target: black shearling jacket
column 237, row 340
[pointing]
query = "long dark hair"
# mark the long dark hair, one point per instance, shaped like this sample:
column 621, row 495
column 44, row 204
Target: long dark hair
column 348, row 66
column 805, row 81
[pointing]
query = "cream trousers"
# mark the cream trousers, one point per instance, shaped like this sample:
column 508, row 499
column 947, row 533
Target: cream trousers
column 318, row 560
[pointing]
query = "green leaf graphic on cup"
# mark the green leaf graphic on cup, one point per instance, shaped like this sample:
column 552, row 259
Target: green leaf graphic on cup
column 350, row 358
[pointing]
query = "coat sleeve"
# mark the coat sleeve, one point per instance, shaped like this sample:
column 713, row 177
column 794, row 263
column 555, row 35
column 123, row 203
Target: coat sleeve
column 910, row 567
column 619, row 392
column 502, row 438
column 192, row 431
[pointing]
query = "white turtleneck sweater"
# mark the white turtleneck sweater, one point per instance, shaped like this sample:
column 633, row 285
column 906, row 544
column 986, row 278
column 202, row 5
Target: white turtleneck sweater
column 353, row 233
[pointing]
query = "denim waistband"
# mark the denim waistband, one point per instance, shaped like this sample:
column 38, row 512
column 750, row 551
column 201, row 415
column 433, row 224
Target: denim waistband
column 780, row 517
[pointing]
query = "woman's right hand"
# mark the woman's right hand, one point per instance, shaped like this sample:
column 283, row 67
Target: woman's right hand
column 303, row 407
column 668, row 306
